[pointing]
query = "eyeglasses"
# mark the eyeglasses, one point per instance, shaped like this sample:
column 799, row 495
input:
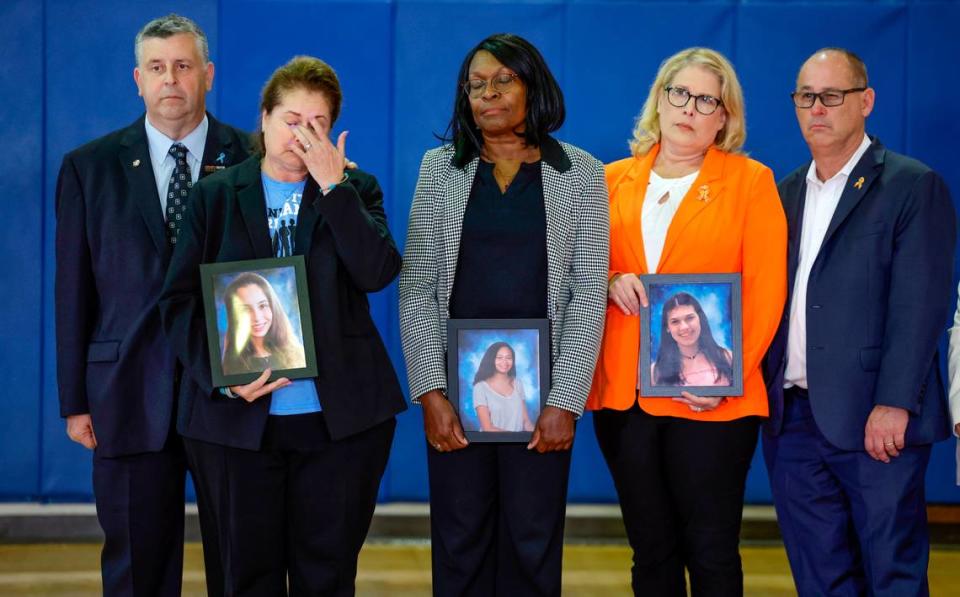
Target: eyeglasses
column 829, row 98
column 502, row 83
column 705, row 104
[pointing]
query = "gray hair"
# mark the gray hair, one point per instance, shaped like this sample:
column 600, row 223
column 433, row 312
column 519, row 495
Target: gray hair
column 168, row 26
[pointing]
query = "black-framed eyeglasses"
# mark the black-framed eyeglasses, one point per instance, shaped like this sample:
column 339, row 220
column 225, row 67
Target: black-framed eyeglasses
column 705, row 104
column 501, row 83
column 829, row 98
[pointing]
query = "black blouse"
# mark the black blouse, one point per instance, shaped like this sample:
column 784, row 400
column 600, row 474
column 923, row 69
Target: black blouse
column 502, row 266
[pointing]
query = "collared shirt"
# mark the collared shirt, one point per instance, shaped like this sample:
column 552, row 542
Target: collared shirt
column 163, row 163
column 656, row 216
column 821, row 201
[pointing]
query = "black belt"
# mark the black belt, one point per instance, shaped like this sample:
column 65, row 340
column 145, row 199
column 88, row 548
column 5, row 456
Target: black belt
column 796, row 392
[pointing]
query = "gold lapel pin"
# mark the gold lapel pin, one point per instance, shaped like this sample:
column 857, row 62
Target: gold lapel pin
column 704, row 193
column 136, row 163
column 859, row 183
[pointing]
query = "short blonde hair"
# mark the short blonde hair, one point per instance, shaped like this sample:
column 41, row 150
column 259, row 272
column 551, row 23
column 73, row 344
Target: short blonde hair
column 731, row 137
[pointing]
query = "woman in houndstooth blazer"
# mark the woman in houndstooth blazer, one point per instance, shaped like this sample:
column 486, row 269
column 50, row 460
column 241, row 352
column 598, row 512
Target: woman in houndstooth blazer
column 506, row 222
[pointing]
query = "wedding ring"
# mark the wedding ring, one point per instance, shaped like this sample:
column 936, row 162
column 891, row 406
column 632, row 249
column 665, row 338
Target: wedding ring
column 307, row 146
column 698, row 409
column 889, row 444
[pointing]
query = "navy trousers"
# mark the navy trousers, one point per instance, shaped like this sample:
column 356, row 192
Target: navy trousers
column 140, row 508
column 852, row 525
column 496, row 520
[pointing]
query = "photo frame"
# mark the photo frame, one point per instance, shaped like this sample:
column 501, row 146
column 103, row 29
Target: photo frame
column 691, row 335
column 258, row 315
column 497, row 403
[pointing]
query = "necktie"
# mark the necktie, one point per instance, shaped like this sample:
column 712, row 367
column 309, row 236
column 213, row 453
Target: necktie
column 177, row 191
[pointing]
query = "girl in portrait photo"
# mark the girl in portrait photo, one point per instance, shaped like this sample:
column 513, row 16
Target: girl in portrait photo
column 688, row 354
column 259, row 335
column 498, row 396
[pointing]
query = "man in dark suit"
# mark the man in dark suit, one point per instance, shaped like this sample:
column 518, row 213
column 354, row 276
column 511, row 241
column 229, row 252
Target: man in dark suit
column 119, row 200
column 855, row 388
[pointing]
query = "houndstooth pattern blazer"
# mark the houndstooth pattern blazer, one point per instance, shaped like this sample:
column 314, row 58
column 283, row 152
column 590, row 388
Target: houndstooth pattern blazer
column 577, row 208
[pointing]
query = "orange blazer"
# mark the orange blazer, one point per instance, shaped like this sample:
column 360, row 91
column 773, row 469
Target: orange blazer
column 730, row 221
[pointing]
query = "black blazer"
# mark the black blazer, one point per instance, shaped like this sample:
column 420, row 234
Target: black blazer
column 878, row 298
column 348, row 251
column 112, row 255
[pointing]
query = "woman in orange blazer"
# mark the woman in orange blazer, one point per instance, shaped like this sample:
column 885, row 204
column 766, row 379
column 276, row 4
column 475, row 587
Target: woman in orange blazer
column 687, row 201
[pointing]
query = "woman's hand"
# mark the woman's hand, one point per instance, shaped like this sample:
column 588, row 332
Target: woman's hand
column 699, row 404
column 554, row 431
column 440, row 424
column 324, row 160
column 627, row 292
column 259, row 387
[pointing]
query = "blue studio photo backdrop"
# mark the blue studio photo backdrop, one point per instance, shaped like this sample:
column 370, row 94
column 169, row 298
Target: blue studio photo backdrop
column 67, row 79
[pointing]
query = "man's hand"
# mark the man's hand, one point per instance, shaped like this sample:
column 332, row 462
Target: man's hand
column 440, row 424
column 80, row 430
column 259, row 387
column 554, row 431
column 884, row 433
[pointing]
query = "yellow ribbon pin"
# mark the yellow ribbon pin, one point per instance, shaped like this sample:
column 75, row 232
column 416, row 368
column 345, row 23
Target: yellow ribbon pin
column 859, row 183
column 704, row 193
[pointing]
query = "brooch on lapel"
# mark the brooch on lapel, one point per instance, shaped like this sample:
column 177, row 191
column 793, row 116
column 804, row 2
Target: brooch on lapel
column 136, row 163
column 859, row 184
column 219, row 164
column 704, row 193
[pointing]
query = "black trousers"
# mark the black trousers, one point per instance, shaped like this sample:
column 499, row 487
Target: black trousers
column 496, row 520
column 297, row 510
column 140, row 509
column 681, row 485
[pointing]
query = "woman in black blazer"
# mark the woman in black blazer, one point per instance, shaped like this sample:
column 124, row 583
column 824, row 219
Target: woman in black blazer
column 291, row 470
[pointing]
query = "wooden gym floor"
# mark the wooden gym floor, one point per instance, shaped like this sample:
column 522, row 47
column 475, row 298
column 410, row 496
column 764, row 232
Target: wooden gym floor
column 402, row 569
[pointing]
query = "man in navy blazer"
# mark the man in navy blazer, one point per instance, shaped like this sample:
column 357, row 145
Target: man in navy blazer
column 117, row 375
column 855, row 388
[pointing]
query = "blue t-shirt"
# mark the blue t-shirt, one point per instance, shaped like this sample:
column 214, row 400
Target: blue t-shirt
column 283, row 206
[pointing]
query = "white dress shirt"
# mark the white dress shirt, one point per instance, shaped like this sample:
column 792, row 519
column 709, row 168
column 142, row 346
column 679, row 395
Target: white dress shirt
column 821, row 201
column 953, row 368
column 953, row 371
column 656, row 217
column 163, row 163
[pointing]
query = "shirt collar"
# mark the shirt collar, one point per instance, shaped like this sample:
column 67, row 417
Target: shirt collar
column 160, row 144
column 812, row 177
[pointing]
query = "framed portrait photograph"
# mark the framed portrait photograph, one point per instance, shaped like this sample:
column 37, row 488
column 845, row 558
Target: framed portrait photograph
column 691, row 336
column 258, row 317
column 498, row 376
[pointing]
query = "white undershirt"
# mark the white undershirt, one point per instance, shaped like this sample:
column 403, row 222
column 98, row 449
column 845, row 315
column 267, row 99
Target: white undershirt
column 656, row 217
column 820, row 203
